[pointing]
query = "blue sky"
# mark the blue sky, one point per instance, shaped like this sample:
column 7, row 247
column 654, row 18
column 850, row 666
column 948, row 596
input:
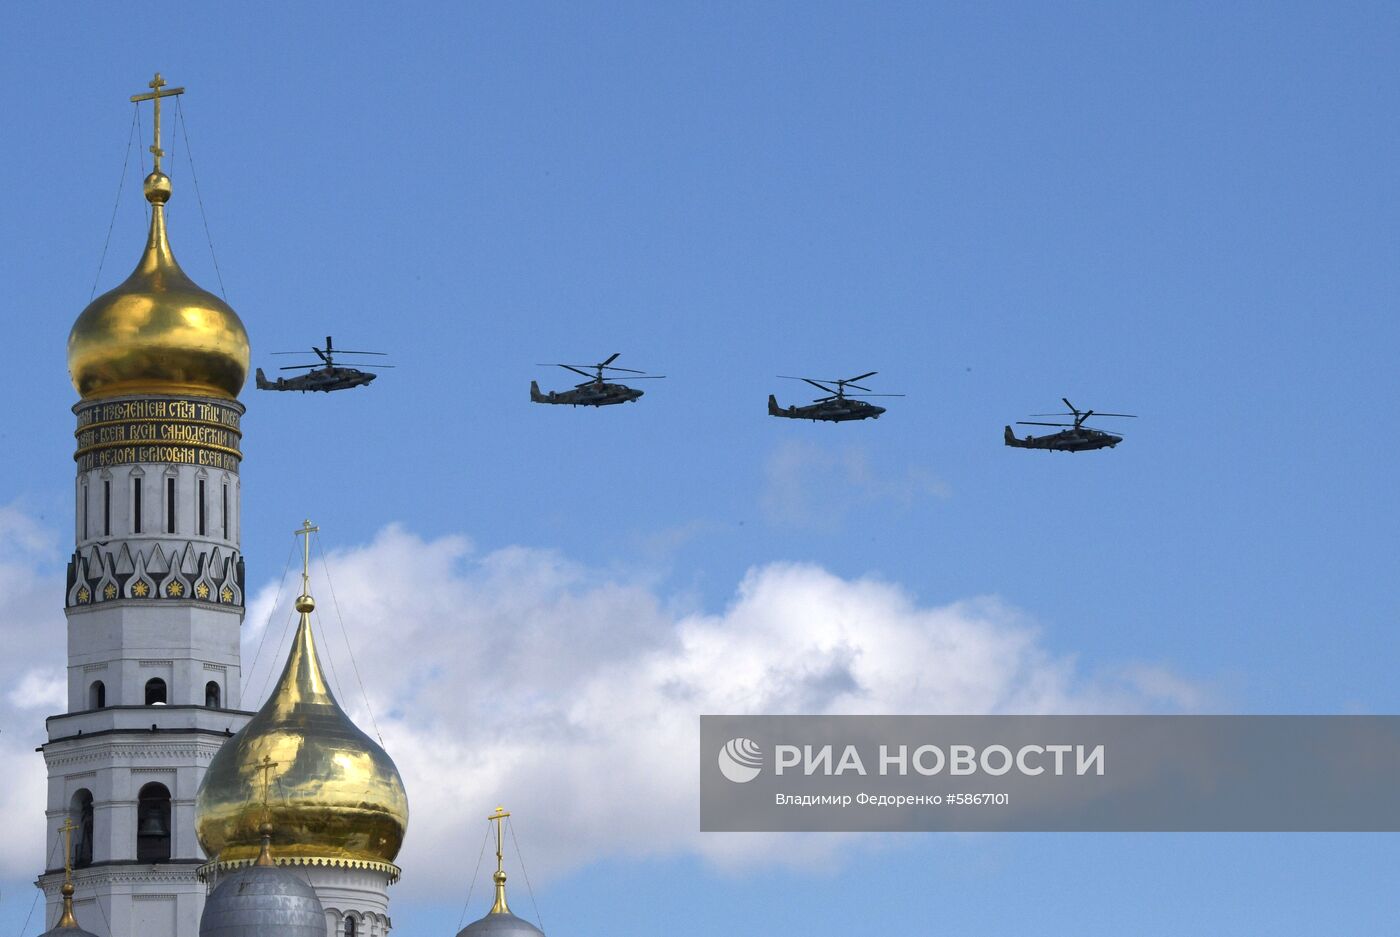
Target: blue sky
column 1184, row 211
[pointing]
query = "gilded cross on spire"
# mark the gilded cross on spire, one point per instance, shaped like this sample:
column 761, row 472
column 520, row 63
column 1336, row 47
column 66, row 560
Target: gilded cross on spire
column 265, row 766
column 265, row 853
column 67, row 830
column 66, row 919
column 158, row 91
column 306, row 531
column 499, row 818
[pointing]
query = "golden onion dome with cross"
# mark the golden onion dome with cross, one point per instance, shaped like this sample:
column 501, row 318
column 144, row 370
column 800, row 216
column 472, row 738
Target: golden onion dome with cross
column 329, row 794
column 158, row 332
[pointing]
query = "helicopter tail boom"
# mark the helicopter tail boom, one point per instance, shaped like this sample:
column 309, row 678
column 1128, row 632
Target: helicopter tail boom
column 535, row 394
column 1011, row 439
column 773, row 408
column 263, row 382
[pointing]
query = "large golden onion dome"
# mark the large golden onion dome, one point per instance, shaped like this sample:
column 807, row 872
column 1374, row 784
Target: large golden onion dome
column 158, row 332
column 329, row 793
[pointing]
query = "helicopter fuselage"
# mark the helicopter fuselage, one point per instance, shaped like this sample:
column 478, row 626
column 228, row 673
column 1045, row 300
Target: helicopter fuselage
column 587, row 395
column 837, row 410
column 1081, row 439
column 322, row 379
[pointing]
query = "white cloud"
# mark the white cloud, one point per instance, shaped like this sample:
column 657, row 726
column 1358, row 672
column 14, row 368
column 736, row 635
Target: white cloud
column 519, row 677
column 807, row 485
column 23, row 540
column 42, row 688
column 34, row 637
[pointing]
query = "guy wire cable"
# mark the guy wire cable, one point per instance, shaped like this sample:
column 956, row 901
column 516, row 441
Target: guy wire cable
column 248, row 674
column 189, row 157
column 330, row 658
column 38, row 892
column 519, row 855
column 336, row 603
column 135, row 109
column 475, row 873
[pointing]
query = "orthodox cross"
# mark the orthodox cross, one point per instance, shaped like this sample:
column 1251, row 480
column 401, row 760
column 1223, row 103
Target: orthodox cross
column 158, row 91
column 499, row 819
column 266, row 766
column 306, row 531
column 66, row 919
column 67, row 830
column 500, row 906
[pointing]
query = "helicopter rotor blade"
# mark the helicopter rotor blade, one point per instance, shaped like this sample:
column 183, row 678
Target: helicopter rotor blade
column 342, row 351
column 875, row 395
column 298, row 367
column 856, row 386
column 861, row 377
column 819, row 386
column 639, row 377
column 610, row 360
column 811, row 380
column 575, row 370
column 1033, row 423
column 600, row 367
column 1094, row 412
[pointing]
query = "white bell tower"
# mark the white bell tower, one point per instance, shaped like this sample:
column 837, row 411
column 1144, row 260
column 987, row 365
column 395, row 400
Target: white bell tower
column 155, row 590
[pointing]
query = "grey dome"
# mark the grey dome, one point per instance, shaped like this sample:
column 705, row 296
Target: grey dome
column 500, row 924
column 60, row 931
column 262, row 901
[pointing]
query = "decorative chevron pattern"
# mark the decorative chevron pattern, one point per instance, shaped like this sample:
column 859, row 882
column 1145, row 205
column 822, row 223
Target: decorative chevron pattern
column 200, row 573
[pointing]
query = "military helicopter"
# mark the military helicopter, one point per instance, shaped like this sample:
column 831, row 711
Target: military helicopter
column 837, row 407
column 325, row 376
column 594, row 392
column 1078, row 438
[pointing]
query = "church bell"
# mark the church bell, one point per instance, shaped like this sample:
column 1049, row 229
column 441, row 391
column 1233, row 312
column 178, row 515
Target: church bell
column 153, row 824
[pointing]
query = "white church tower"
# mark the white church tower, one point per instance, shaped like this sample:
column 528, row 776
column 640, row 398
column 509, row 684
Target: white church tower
column 155, row 589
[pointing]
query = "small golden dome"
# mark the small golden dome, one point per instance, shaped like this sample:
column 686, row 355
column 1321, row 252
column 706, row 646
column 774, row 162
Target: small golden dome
column 158, row 332
column 331, row 793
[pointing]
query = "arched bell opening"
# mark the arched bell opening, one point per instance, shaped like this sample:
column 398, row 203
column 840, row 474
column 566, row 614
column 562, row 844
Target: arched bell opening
column 153, row 823
column 80, row 812
column 155, row 692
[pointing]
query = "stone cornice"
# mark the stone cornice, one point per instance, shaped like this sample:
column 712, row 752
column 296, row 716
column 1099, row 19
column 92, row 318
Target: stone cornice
column 178, row 872
column 198, row 748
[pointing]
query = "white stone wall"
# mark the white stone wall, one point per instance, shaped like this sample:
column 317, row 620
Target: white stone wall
column 132, row 901
column 125, row 640
column 359, row 893
column 97, row 521
column 126, row 643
